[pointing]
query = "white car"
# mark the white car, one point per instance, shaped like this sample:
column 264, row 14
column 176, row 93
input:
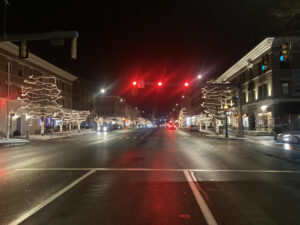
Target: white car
column 289, row 136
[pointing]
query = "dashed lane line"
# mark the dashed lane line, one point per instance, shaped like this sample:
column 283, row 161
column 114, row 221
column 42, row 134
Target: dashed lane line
column 200, row 200
column 50, row 199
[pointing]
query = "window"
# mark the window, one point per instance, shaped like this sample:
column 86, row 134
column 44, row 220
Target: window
column 20, row 71
column 251, row 95
column 243, row 78
column 262, row 91
column 244, row 97
column 251, row 74
column 285, row 88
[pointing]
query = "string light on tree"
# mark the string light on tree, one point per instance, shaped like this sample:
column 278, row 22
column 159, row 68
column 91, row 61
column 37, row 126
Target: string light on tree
column 40, row 97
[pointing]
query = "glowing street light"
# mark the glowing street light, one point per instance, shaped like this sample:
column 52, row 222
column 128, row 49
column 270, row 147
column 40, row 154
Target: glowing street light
column 102, row 90
column 186, row 84
column 176, row 104
column 159, row 83
column 199, row 76
column 182, row 96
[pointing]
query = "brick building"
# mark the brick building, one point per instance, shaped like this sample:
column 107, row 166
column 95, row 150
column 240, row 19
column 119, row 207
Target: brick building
column 20, row 70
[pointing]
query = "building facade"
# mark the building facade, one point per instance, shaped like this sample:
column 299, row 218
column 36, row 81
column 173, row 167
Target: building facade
column 21, row 69
column 83, row 95
column 270, row 85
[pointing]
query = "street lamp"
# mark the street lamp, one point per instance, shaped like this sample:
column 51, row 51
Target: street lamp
column 226, row 120
column 102, row 91
column 182, row 96
column 176, row 104
column 199, row 76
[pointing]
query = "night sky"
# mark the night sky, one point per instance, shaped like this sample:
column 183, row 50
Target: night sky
column 171, row 41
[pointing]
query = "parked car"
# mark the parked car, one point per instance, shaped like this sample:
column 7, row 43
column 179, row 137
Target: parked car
column 289, row 136
column 193, row 128
column 116, row 127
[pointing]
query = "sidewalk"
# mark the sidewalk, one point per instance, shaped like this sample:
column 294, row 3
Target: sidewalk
column 55, row 135
column 13, row 141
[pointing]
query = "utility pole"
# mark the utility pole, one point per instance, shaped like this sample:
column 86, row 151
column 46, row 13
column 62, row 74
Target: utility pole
column 7, row 102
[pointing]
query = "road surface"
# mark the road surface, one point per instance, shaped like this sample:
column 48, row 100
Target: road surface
column 147, row 176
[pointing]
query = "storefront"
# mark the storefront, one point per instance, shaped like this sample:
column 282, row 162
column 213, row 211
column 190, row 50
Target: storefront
column 265, row 118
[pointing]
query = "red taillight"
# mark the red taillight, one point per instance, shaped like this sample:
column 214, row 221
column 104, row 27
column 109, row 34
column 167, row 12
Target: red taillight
column 174, row 126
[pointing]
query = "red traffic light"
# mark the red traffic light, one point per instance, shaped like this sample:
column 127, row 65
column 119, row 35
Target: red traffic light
column 159, row 83
column 134, row 83
column 186, row 84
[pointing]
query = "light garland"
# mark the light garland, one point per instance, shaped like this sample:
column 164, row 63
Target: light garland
column 39, row 96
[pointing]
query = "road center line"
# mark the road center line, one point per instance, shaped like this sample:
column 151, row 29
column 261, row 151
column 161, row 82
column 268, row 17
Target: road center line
column 200, row 200
column 50, row 199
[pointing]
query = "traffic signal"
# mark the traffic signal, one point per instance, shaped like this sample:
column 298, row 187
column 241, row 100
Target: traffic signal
column 134, row 89
column 74, row 48
column 265, row 63
column 141, row 83
column 284, row 53
column 23, row 49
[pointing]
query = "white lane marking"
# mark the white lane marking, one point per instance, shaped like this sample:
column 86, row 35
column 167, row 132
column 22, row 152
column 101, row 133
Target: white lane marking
column 200, row 200
column 50, row 199
column 161, row 169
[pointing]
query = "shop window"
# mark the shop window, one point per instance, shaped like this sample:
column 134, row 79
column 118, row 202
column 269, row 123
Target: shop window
column 285, row 88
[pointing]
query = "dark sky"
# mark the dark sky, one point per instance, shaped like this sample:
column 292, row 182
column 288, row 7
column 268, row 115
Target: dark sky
column 171, row 41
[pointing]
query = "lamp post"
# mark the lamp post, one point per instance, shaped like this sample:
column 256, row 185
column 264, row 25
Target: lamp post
column 226, row 120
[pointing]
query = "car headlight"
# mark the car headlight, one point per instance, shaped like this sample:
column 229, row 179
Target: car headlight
column 286, row 135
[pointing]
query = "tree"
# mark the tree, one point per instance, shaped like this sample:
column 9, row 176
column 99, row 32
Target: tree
column 75, row 116
column 214, row 99
column 40, row 95
column 79, row 117
column 99, row 120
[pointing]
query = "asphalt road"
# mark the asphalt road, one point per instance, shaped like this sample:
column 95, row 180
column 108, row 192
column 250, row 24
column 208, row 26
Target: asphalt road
column 147, row 176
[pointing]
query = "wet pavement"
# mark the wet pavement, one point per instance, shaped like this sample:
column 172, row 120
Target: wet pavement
column 147, row 176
